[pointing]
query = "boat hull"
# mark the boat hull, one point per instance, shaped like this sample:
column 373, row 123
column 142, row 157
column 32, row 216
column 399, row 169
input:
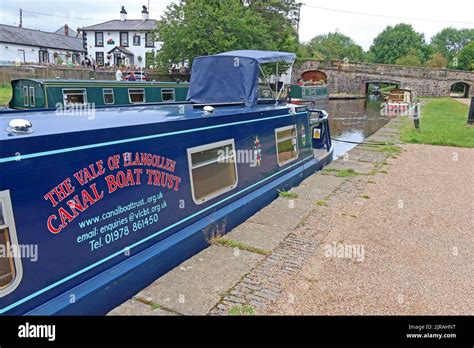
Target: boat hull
column 74, row 194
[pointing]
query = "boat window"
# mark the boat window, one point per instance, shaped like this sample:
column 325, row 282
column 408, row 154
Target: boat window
column 287, row 144
column 167, row 94
column 213, row 170
column 108, row 95
column 32, row 96
column 10, row 266
column 74, row 96
column 25, row 96
column 136, row 95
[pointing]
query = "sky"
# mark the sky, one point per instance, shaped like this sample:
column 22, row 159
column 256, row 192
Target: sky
column 314, row 21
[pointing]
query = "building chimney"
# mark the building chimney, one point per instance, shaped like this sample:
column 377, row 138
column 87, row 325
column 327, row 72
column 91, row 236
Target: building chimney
column 123, row 14
column 145, row 14
column 66, row 30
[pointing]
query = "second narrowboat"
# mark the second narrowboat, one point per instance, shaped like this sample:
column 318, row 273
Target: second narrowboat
column 38, row 94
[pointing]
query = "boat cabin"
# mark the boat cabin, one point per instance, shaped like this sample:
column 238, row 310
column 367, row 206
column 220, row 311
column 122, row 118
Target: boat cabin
column 300, row 94
column 400, row 95
column 49, row 94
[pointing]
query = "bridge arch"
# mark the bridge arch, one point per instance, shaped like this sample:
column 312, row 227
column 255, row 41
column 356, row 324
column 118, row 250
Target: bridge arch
column 460, row 89
column 366, row 84
column 314, row 75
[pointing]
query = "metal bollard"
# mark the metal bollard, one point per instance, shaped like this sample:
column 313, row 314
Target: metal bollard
column 470, row 117
column 416, row 116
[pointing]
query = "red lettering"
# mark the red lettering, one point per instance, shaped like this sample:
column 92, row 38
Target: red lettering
column 62, row 191
column 51, row 228
column 112, row 186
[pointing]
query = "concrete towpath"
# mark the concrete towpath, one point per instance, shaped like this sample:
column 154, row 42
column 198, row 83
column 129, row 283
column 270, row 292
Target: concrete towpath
column 402, row 245
column 406, row 212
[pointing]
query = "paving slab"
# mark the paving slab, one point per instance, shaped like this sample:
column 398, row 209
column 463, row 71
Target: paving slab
column 196, row 285
column 364, row 155
column 134, row 307
column 359, row 167
column 324, row 181
column 257, row 235
column 283, row 213
column 379, row 138
column 317, row 188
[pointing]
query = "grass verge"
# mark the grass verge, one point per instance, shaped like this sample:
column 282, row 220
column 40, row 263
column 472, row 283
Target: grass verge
column 231, row 243
column 5, row 94
column 443, row 122
column 242, row 310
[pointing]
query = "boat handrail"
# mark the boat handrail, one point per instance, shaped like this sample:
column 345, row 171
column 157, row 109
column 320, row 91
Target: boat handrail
column 323, row 115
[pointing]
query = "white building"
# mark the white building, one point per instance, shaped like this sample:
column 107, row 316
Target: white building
column 122, row 41
column 34, row 46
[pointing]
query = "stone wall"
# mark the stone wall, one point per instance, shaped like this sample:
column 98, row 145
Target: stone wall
column 8, row 73
column 351, row 78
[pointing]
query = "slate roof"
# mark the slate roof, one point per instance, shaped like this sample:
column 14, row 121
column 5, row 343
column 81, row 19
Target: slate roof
column 37, row 38
column 126, row 25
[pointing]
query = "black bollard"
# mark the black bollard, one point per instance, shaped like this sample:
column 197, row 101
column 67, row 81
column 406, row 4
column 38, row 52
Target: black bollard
column 470, row 117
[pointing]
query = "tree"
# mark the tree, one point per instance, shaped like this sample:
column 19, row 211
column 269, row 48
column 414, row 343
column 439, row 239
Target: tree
column 396, row 42
column 437, row 60
column 282, row 17
column 334, row 46
column 466, row 57
column 193, row 28
column 450, row 41
column 411, row 59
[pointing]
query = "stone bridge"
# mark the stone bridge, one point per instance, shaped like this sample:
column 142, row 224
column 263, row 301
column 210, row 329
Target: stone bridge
column 354, row 78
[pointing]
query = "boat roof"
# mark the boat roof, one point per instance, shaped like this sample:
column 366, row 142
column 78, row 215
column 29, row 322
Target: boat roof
column 262, row 57
column 51, row 122
column 125, row 83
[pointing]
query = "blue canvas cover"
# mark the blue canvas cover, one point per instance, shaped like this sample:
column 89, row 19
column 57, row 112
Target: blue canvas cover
column 231, row 77
column 224, row 79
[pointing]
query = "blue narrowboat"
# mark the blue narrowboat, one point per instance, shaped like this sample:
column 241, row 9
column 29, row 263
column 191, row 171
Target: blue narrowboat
column 95, row 208
column 38, row 94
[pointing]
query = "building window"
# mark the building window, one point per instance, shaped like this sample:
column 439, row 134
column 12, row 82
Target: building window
column 10, row 267
column 25, row 96
column 99, row 58
column 124, row 39
column 167, row 94
column 43, row 56
column 32, row 97
column 213, row 170
column 136, row 40
column 99, row 39
column 136, row 95
column 149, row 40
column 286, row 144
column 74, row 97
column 108, row 95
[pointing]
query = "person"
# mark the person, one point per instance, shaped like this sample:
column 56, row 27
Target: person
column 132, row 76
column 118, row 74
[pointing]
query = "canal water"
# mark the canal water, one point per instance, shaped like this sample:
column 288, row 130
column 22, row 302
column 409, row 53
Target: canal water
column 353, row 120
